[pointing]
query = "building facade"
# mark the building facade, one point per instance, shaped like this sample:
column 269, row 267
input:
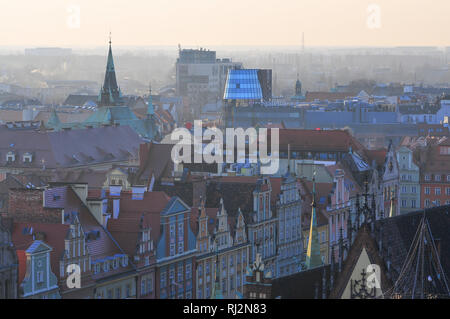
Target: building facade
column 216, row 243
column 175, row 253
column 262, row 228
column 8, row 265
column 409, row 181
column 289, row 214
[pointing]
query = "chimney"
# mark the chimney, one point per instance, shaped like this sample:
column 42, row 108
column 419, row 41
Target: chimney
column 115, row 191
column 137, row 192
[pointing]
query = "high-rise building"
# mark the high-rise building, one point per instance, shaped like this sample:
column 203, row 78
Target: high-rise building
column 199, row 71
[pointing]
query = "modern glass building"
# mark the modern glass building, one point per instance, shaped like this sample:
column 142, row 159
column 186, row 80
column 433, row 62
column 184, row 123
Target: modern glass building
column 248, row 85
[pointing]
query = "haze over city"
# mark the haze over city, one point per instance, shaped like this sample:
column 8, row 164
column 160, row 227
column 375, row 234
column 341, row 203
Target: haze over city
column 224, row 149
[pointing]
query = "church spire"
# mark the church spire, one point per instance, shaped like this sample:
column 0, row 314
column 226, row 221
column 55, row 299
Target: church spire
column 313, row 258
column 217, row 291
column 150, row 108
column 53, row 121
column 110, row 92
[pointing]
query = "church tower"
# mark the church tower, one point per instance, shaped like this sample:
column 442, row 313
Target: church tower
column 298, row 87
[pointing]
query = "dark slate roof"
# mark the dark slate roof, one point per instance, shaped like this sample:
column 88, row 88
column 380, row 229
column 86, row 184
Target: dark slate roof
column 303, row 285
column 69, row 148
column 398, row 232
column 80, row 99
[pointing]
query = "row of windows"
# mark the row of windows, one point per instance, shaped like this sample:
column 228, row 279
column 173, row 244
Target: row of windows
column 146, row 286
column 405, row 203
column 437, row 177
column 107, row 265
column 26, row 158
column 405, row 189
column 187, row 273
column 436, row 202
column 117, row 293
column 437, row 191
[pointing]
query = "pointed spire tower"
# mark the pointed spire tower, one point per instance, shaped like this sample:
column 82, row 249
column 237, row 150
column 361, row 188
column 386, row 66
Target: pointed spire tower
column 313, row 258
column 217, row 291
column 110, row 94
column 150, row 108
column 53, row 121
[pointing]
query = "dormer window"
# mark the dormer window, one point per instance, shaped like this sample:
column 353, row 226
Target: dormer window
column 27, row 157
column 10, row 156
column 106, row 266
column 124, row 261
column 96, row 268
column 115, row 264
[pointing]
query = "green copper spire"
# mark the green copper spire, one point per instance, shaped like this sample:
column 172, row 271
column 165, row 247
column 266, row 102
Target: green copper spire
column 53, row 121
column 313, row 258
column 110, row 93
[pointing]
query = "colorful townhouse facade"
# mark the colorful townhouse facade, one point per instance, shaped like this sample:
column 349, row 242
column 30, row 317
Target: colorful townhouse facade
column 435, row 174
column 262, row 228
column 8, row 264
column 290, row 242
column 222, row 253
column 409, row 187
column 175, row 253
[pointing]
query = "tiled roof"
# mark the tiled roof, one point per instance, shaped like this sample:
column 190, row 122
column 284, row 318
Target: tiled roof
column 378, row 156
column 303, row 285
column 105, row 245
column 94, row 178
column 64, row 149
column 22, row 259
column 237, row 192
column 155, row 159
column 53, row 235
column 318, row 140
column 126, row 227
column 329, row 96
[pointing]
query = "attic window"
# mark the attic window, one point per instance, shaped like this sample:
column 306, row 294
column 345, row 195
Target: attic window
column 124, row 261
column 27, row 158
column 97, row 268
column 10, row 156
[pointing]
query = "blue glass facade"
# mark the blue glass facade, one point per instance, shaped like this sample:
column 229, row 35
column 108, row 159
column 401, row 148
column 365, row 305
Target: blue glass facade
column 243, row 85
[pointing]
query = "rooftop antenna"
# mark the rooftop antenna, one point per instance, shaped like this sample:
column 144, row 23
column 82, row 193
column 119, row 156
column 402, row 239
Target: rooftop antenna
column 303, row 42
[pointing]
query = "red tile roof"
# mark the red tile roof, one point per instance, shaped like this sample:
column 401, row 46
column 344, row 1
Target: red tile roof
column 318, row 140
column 125, row 229
column 378, row 155
column 22, row 260
column 54, row 235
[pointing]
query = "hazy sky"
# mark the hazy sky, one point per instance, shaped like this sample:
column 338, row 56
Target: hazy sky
column 225, row 22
